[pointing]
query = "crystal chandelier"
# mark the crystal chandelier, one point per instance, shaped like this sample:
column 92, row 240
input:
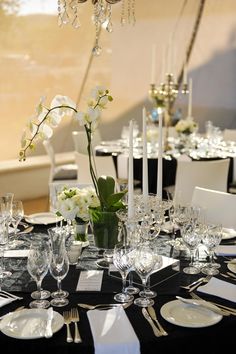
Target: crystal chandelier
column 102, row 13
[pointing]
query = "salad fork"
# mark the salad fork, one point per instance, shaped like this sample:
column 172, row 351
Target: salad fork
column 75, row 318
column 104, row 306
column 196, row 283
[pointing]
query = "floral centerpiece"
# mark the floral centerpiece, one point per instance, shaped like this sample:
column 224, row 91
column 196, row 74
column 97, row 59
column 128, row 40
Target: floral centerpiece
column 41, row 127
column 73, row 204
column 186, row 126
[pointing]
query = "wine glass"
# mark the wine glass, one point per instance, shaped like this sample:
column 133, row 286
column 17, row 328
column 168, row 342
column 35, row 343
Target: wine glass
column 191, row 236
column 37, row 265
column 59, row 265
column 211, row 239
column 3, row 245
column 17, row 214
column 144, row 263
column 122, row 260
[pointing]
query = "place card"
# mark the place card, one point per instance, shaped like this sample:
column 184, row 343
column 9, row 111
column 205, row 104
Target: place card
column 90, row 280
column 16, row 253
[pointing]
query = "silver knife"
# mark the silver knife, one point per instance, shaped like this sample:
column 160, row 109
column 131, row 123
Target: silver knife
column 204, row 304
column 153, row 315
column 150, row 321
column 48, row 329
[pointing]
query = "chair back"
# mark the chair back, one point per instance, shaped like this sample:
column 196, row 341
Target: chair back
column 218, row 207
column 229, row 134
column 207, row 174
column 104, row 165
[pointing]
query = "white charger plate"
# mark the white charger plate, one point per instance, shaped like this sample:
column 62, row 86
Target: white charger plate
column 29, row 323
column 43, row 218
column 187, row 315
column 227, row 234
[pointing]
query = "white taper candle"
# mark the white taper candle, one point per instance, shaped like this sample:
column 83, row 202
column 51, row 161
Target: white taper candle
column 153, row 65
column 159, row 162
column 145, row 161
column 190, row 97
column 131, row 174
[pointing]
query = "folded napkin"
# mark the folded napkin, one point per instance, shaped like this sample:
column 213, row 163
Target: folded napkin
column 4, row 301
column 112, row 332
column 16, row 253
column 219, row 288
column 226, row 250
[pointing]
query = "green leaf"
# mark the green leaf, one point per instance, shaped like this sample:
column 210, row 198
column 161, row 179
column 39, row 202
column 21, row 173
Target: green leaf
column 106, row 187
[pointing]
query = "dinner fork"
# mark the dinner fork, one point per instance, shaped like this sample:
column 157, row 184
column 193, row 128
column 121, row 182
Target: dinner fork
column 75, row 318
column 104, row 306
column 204, row 280
column 67, row 320
column 8, row 295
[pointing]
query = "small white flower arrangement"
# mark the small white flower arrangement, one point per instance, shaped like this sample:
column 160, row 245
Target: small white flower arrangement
column 73, row 203
column 186, row 126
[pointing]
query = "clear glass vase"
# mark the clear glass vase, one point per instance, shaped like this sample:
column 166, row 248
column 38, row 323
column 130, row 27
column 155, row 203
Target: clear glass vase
column 80, row 230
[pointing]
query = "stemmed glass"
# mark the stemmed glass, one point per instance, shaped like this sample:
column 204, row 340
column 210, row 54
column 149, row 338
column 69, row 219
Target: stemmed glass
column 122, row 260
column 59, row 265
column 144, row 263
column 37, row 265
column 3, row 245
column 17, row 214
column 211, row 239
column 191, row 236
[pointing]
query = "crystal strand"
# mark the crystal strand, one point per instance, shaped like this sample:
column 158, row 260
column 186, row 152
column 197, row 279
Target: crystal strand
column 129, row 11
column 75, row 22
column 109, row 26
column 59, row 13
column 65, row 17
column 133, row 11
column 122, row 19
column 96, row 49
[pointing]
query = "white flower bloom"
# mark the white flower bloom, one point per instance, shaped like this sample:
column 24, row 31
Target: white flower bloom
column 80, row 116
column 103, row 101
column 93, row 114
column 60, row 100
column 45, row 131
column 97, row 92
column 54, row 118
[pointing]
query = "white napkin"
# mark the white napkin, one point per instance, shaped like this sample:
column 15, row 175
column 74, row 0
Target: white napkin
column 219, row 288
column 4, row 301
column 16, row 253
column 226, row 250
column 113, row 332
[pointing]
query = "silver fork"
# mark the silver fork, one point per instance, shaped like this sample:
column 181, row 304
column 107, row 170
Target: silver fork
column 75, row 318
column 104, row 306
column 229, row 310
column 67, row 320
column 7, row 295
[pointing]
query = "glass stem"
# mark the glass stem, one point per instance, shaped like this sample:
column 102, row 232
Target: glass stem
column 124, row 276
column 39, row 284
column 59, row 285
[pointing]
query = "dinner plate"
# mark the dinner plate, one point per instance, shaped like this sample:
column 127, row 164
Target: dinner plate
column 43, row 218
column 187, row 315
column 228, row 234
column 29, row 323
column 232, row 267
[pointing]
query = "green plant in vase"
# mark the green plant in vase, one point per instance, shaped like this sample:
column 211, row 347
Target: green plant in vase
column 41, row 127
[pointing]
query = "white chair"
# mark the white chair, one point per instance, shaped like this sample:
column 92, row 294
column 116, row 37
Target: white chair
column 104, row 166
column 59, row 172
column 218, row 207
column 81, row 141
column 207, row 174
column 229, row 134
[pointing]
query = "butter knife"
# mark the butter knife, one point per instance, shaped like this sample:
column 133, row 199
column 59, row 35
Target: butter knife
column 150, row 321
column 153, row 315
column 48, row 329
column 204, row 304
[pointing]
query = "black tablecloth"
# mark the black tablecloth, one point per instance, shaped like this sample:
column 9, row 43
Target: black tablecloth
column 180, row 339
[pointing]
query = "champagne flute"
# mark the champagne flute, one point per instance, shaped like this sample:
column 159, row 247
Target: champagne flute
column 191, row 235
column 59, row 265
column 37, row 265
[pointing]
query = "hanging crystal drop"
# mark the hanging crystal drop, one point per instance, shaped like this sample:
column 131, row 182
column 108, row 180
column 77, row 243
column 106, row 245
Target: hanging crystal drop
column 65, row 18
column 96, row 51
column 76, row 23
column 109, row 27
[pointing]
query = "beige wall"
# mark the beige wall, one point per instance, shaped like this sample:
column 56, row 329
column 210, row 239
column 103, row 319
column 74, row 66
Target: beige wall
column 38, row 58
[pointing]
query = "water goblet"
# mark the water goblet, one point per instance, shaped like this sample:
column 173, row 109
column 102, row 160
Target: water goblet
column 122, row 260
column 17, row 214
column 191, row 236
column 37, row 265
column 211, row 239
column 59, row 265
column 144, row 263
